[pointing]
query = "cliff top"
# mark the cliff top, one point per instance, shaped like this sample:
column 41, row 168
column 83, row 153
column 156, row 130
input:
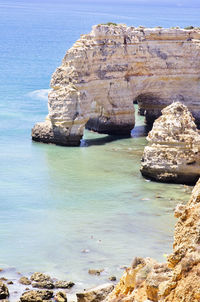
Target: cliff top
column 158, row 33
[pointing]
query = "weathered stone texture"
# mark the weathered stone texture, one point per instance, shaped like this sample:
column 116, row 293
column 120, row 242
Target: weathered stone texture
column 177, row 280
column 173, row 150
column 36, row 295
column 108, row 69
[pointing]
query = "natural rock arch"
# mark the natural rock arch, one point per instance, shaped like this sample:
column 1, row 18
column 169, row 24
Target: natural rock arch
column 106, row 70
column 149, row 105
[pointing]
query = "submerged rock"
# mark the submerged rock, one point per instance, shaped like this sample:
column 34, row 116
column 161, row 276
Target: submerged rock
column 112, row 278
column 4, row 293
column 43, row 284
column 95, row 294
column 64, row 284
column 177, row 280
column 3, row 279
column 95, row 271
column 24, row 280
column 173, row 151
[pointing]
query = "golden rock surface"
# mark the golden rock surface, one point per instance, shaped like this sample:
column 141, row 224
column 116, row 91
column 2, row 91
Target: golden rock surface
column 177, row 280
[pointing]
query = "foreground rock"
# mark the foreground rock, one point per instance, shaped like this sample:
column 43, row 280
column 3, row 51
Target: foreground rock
column 42, row 281
column 64, row 284
column 108, row 69
column 4, row 293
column 40, row 277
column 39, row 287
column 36, row 295
column 96, row 294
column 177, row 280
column 173, row 151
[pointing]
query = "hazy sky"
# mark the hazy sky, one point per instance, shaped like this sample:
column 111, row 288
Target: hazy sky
column 159, row 2
column 188, row 3
column 175, row 3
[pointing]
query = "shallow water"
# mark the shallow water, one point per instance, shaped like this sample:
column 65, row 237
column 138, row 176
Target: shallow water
column 56, row 202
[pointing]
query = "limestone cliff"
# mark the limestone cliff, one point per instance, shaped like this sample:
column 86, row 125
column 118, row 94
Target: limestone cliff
column 112, row 67
column 173, row 150
column 177, row 280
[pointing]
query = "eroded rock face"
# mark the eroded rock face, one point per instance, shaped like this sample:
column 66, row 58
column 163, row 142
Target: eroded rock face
column 175, row 281
column 108, row 69
column 173, row 151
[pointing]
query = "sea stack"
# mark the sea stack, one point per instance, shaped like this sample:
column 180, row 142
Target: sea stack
column 173, row 150
column 107, row 70
column 175, row 281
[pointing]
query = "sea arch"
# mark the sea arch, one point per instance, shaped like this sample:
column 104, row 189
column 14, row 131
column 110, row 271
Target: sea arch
column 110, row 68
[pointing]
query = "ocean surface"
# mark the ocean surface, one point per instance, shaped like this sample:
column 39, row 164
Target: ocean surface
column 65, row 210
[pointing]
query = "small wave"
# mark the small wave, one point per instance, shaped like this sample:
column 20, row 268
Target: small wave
column 41, row 94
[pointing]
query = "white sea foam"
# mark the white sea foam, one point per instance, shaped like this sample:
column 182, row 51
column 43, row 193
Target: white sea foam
column 41, row 94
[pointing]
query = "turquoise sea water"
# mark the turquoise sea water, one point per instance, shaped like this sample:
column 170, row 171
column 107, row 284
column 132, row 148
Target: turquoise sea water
column 56, row 202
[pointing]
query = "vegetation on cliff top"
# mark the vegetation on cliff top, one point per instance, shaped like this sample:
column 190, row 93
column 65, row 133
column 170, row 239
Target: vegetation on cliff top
column 109, row 24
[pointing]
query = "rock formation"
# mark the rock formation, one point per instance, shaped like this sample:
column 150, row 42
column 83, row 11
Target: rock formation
column 4, row 293
column 177, row 280
column 36, row 295
column 112, row 67
column 173, row 151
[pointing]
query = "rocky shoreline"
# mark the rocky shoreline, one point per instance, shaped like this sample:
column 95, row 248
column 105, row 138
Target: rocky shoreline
column 95, row 87
column 42, row 287
column 178, row 279
column 145, row 280
column 37, row 287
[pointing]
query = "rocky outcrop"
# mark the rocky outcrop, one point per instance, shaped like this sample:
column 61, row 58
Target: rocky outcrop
column 36, row 295
column 173, row 150
column 40, row 277
column 178, row 279
column 64, row 284
column 4, row 293
column 39, row 287
column 112, row 67
column 24, row 280
column 42, row 281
